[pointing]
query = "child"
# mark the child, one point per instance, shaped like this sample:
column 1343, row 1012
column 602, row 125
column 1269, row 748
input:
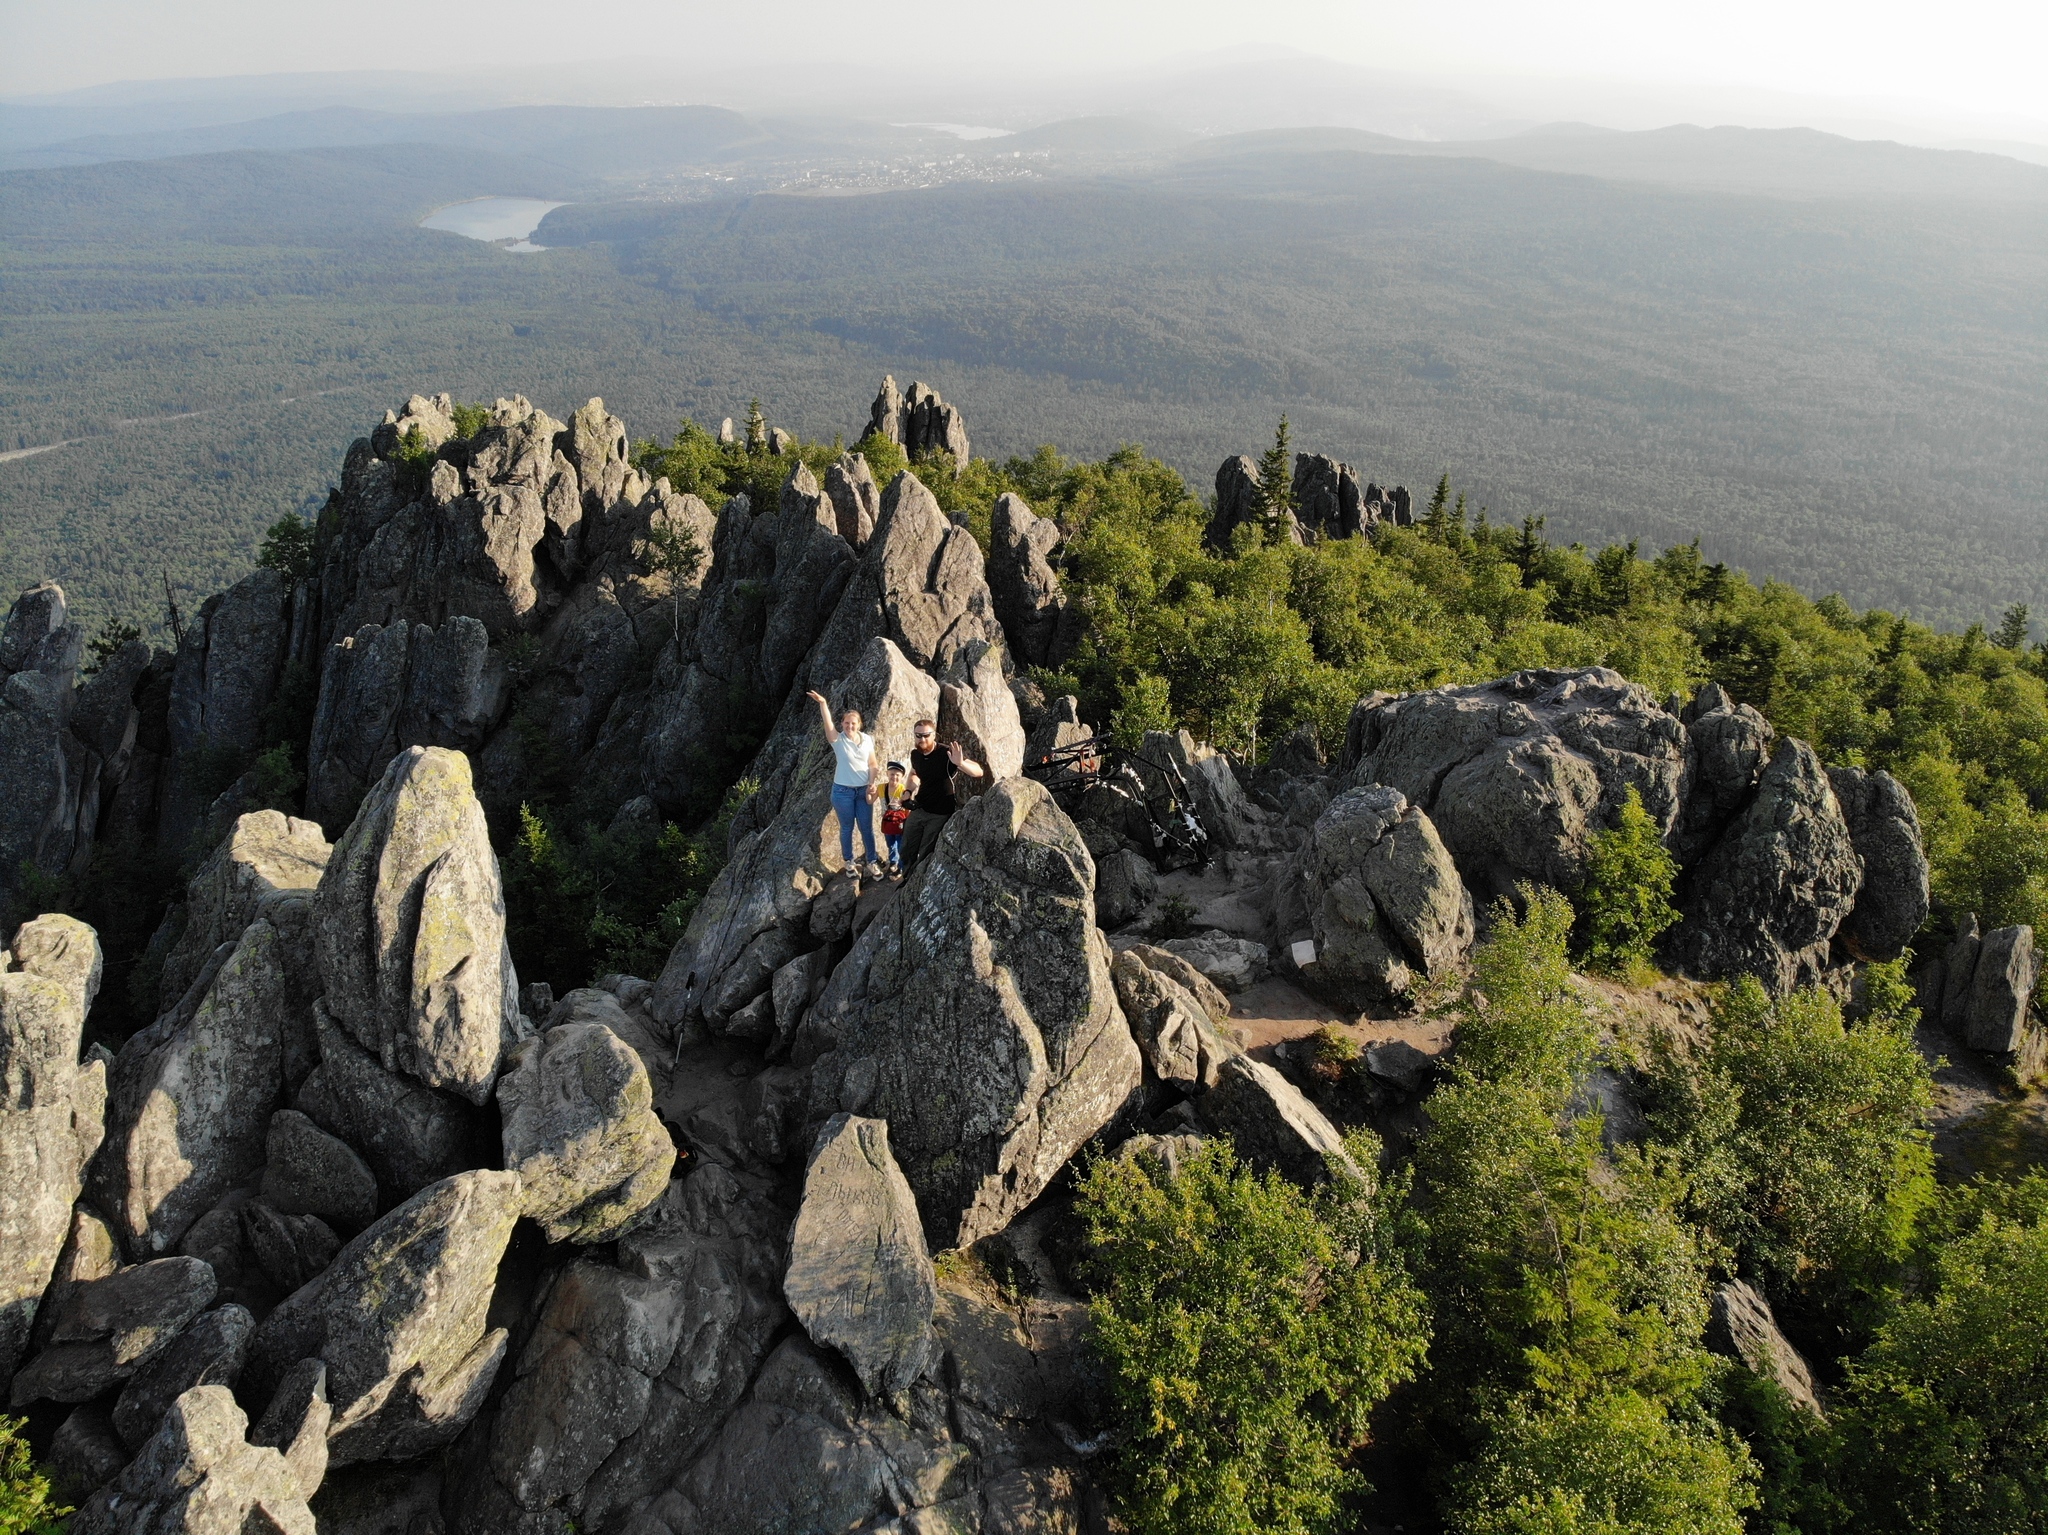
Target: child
column 894, row 794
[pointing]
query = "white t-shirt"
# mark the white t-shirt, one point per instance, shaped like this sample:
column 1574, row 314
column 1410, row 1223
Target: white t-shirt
column 855, row 754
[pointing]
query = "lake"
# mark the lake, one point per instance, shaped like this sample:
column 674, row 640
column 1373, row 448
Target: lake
column 504, row 221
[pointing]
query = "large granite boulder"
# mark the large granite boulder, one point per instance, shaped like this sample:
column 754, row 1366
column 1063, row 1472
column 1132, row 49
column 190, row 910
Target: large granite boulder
column 1377, row 894
column 1768, row 897
column 199, row 1475
column 856, row 498
column 860, row 1279
column 38, row 635
column 1519, row 773
column 1327, row 498
column 1175, row 1030
column 52, row 1110
column 400, row 1320
column 580, row 1130
column 1726, row 747
column 190, row 1098
column 1036, row 619
column 107, row 1329
column 410, row 928
column 1884, row 828
column 977, row 1016
column 209, row 1352
column 38, row 814
column 227, row 672
column 409, row 1134
column 2001, row 985
column 309, row 1172
column 269, row 859
column 1272, row 1125
column 630, row 1370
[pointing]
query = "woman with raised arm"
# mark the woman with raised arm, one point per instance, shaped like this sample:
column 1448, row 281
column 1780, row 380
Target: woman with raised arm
column 853, row 783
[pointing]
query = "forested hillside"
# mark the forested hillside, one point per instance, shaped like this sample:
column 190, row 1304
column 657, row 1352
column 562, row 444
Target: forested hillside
column 1837, row 392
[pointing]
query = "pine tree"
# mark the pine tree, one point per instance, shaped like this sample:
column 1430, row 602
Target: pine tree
column 1276, row 478
column 2012, row 628
column 757, row 428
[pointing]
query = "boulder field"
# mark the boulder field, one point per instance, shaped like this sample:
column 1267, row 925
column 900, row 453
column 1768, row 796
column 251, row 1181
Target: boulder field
column 359, row 1229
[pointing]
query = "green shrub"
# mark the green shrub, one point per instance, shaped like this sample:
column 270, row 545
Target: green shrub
column 471, row 419
column 1625, row 902
column 27, row 1506
column 1247, row 1330
column 1944, row 1419
column 1805, row 1140
column 288, row 547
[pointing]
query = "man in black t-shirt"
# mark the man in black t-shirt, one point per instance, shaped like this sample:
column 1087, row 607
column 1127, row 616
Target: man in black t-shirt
column 932, row 771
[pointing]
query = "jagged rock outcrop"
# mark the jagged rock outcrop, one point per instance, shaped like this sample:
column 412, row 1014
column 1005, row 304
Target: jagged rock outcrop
column 977, row 1016
column 1328, row 500
column 1037, row 621
column 227, row 671
column 1517, row 774
column 400, row 1321
column 1726, row 745
column 1376, row 893
column 856, row 498
column 1987, row 987
column 53, row 775
column 1884, row 828
column 1767, row 899
column 920, row 422
column 198, row 1475
column 107, row 1329
column 52, row 1109
column 581, row 1132
column 190, row 1098
column 860, row 1279
column 409, row 925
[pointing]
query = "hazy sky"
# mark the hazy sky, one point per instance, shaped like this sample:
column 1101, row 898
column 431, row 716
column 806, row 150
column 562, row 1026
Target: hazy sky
column 1985, row 58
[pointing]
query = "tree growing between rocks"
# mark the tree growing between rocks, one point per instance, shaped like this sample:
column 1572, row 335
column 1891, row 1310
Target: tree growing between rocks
column 1625, row 904
column 1248, row 1330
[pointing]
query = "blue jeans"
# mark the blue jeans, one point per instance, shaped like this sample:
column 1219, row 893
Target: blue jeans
column 850, row 804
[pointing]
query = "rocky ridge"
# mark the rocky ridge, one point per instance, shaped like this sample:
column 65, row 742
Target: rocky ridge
column 660, row 1255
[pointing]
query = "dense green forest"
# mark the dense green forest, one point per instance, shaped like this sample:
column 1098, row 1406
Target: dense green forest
column 1841, row 393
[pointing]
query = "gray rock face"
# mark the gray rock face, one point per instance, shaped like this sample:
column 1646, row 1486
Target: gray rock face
column 309, row 1172
column 919, row 421
column 209, row 1352
column 629, row 1371
column 86, row 1452
column 227, row 673
column 977, row 1016
column 269, row 857
column 410, row 928
column 38, row 816
column 1230, row 818
column 198, row 1476
column 291, row 1250
column 51, row 1110
column 860, row 1279
column 1727, row 745
column 1175, row 1031
column 107, row 1329
column 1380, row 898
column 400, row 1321
column 1884, row 828
column 1519, row 773
column 36, row 636
column 2001, row 986
column 191, row 1098
column 1742, row 1327
column 1271, row 1123
column 408, row 1133
column 389, row 686
column 581, row 1132
column 1767, row 899
column 1026, row 588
